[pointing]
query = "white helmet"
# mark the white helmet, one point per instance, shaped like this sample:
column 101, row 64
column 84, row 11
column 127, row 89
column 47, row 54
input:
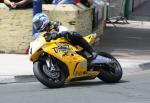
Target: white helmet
column 40, row 21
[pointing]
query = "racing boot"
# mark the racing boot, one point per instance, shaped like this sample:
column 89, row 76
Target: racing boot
column 102, row 60
column 92, row 57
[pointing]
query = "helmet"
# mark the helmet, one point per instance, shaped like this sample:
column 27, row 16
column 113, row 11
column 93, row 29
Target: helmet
column 40, row 21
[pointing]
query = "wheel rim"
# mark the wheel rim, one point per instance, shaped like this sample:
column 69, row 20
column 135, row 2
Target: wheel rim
column 114, row 68
column 53, row 75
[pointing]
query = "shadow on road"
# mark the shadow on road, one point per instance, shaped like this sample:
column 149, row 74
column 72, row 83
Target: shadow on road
column 125, row 41
column 91, row 83
column 145, row 66
column 88, row 83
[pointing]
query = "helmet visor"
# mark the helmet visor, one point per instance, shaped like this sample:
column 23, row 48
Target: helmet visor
column 37, row 25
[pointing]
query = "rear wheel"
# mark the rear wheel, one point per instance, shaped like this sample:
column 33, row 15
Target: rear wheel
column 110, row 74
column 49, row 74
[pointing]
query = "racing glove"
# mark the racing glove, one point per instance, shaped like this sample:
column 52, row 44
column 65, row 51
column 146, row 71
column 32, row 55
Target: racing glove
column 47, row 37
column 52, row 35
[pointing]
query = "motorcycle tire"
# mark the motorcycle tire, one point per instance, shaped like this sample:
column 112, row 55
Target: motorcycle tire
column 44, row 79
column 106, row 75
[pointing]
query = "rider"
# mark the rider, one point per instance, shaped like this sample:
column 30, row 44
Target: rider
column 42, row 23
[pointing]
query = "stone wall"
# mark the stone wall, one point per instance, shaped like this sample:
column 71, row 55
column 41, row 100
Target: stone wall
column 73, row 17
column 15, row 30
column 76, row 17
column 16, row 25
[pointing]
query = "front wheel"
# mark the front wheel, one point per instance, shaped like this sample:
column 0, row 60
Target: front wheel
column 110, row 74
column 51, row 77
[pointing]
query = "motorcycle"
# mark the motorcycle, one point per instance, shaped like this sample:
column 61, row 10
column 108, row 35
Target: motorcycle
column 56, row 62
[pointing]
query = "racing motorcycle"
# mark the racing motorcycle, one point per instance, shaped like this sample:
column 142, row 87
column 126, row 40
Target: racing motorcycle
column 56, row 62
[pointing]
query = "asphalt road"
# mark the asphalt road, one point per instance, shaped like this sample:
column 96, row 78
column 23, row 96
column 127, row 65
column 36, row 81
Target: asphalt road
column 132, row 89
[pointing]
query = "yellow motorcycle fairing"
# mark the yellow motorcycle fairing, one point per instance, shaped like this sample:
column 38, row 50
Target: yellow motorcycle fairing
column 65, row 52
column 34, row 54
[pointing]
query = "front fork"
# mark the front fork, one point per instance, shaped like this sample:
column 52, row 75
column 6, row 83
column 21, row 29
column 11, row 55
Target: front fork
column 49, row 61
column 50, row 64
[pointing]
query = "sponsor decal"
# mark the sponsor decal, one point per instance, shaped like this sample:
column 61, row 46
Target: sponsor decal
column 62, row 48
